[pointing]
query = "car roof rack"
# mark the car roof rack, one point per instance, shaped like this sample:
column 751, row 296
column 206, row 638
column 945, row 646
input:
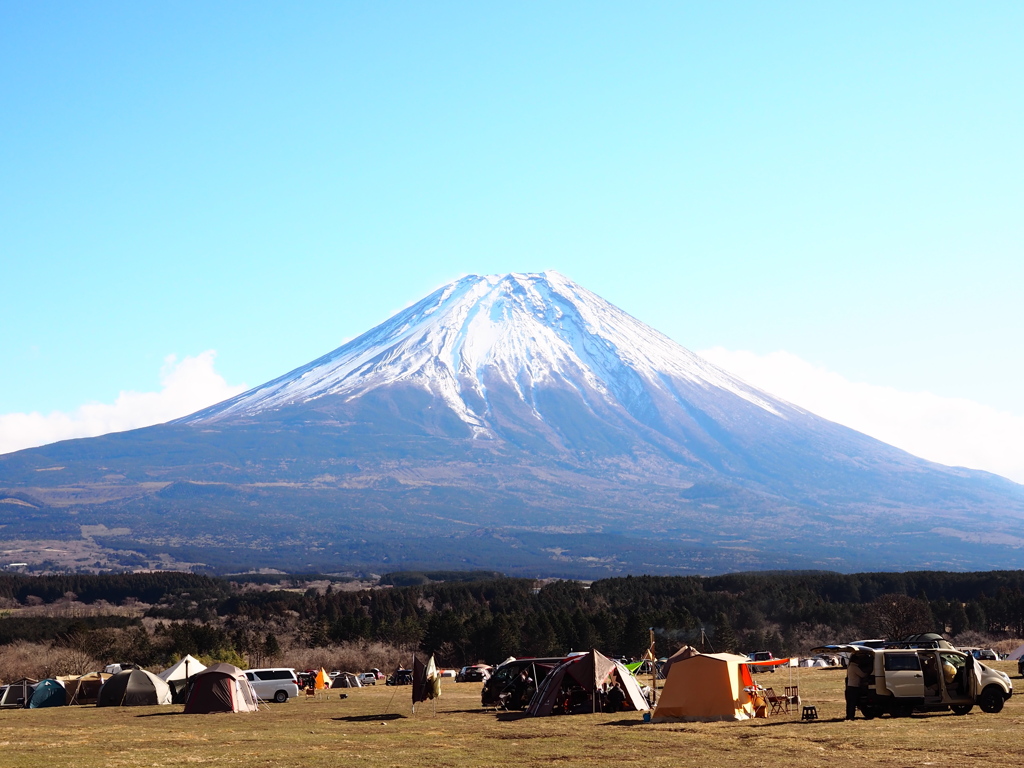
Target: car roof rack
column 923, row 640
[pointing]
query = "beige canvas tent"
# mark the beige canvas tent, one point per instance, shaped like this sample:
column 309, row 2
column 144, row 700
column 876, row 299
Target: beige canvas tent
column 85, row 689
column 708, row 686
column 178, row 675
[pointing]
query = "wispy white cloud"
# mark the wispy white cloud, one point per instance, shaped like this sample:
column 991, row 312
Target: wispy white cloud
column 951, row 431
column 186, row 386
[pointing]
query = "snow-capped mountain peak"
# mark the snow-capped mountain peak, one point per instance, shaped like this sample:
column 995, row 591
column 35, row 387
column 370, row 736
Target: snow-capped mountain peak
column 523, row 331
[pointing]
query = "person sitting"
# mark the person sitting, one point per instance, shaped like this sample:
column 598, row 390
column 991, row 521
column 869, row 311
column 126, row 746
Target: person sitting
column 616, row 698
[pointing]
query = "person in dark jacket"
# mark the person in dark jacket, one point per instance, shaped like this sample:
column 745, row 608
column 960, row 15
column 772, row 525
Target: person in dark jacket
column 856, row 681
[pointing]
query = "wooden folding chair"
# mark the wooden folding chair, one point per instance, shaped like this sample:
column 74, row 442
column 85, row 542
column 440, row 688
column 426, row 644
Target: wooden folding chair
column 778, row 704
column 793, row 694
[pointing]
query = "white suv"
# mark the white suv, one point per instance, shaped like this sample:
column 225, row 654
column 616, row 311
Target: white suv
column 274, row 684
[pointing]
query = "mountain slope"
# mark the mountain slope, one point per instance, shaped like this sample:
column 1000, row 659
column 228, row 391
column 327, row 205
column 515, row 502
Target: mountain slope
column 518, row 421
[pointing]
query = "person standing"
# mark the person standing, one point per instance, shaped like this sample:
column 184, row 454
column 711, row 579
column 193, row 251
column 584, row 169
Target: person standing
column 856, row 680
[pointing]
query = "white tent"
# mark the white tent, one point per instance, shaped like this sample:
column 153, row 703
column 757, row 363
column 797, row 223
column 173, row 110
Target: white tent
column 189, row 666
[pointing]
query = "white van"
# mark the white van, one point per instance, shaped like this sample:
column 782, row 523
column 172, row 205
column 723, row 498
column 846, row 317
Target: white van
column 274, row 684
column 926, row 674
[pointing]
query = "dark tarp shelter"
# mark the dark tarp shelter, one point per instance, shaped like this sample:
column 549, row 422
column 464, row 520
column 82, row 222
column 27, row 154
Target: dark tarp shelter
column 48, row 693
column 18, row 693
column 220, row 688
column 576, row 685
column 134, row 688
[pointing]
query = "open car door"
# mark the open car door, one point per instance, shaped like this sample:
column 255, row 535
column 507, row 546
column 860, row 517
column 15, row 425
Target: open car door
column 972, row 677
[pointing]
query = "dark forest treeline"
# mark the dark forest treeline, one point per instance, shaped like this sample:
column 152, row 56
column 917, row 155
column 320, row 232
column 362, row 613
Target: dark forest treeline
column 785, row 612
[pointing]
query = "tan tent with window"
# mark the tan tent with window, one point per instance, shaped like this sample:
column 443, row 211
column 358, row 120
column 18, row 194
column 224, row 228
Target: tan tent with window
column 708, row 686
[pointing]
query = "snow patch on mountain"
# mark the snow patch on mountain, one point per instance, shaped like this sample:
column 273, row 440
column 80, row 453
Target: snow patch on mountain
column 525, row 330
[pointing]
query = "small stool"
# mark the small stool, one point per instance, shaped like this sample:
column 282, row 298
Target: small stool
column 809, row 713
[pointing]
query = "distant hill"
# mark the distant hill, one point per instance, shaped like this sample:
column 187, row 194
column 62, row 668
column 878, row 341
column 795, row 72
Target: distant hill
column 516, row 423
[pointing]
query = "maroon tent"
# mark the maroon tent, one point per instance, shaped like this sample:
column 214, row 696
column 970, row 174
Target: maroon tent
column 220, row 688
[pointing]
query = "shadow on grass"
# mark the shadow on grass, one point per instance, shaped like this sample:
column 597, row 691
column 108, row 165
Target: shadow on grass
column 370, row 718
column 510, row 717
column 777, row 723
column 631, row 721
column 468, row 711
column 160, row 714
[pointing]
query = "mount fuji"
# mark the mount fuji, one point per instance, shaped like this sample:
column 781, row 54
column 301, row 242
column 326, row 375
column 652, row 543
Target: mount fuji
column 518, row 423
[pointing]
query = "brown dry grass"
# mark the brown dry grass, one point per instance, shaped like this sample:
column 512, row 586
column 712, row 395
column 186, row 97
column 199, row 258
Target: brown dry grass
column 374, row 727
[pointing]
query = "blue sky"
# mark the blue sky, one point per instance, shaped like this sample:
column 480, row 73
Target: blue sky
column 839, row 184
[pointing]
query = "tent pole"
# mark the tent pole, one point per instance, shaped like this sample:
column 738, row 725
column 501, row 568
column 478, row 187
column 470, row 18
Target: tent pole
column 653, row 661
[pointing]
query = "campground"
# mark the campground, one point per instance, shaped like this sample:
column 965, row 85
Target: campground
column 375, row 727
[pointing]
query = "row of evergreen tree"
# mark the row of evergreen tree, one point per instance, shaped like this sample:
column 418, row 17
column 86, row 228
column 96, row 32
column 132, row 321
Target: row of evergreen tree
column 490, row 619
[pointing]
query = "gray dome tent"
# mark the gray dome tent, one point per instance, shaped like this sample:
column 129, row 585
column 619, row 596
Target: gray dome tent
column 134, row 688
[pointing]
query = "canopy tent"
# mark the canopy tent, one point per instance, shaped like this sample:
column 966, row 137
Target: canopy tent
column 322, row 681
column 1017, row 653
column 346, row 680
column 706, row 687
column 85, row 689
column 18, row 693
column 683, row 653
column 177, row 676
column 220, row 688
column 576, row 684
column 134, row 688
column 48, row 693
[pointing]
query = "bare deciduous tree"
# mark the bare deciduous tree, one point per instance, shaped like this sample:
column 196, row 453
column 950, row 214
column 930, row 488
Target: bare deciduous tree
column 896, row 616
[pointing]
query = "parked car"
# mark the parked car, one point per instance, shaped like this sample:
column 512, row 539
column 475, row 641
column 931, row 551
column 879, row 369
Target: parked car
column 985, row 654
column 925, row 674
column 761, row 656
column 400, row 677
column 367, row 678
column 274, row 684
column 475, row 673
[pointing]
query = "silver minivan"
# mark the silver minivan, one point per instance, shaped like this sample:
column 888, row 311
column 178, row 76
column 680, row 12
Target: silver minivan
column 274, row 684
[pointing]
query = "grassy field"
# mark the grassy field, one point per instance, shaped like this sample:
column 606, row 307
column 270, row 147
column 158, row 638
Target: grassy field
column 375, row 727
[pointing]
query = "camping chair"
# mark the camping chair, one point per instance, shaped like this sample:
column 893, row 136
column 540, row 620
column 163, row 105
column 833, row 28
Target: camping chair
column 793, row 694
column 778, row 704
